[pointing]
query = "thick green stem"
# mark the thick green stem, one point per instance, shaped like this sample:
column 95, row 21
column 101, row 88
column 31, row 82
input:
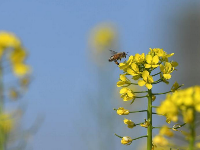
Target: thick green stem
column 149, row 118
column 192, row 133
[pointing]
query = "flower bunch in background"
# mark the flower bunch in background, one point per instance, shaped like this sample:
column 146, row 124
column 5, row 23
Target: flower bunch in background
column 144, row 70
column 183, row 105
column 12, row 57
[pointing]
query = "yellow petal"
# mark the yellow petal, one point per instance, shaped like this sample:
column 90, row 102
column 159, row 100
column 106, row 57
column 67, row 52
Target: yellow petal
column 147, row 66
column 145, row 74
column 149, row 86
column 149, row 59
column 123, row 77
column 141, row 83
column 167, row 76
column 155, row 59
column 123, row 90
column 120, row 83
column 21, row 69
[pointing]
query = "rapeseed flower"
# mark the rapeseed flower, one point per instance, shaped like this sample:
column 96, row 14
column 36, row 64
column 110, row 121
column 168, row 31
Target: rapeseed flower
column 123, row 80
column 139, row 58
column 147, row 80
column 127, row 94
column 126, row 140
column 152, row 61
column 134, row 71
column 130, row 123
column 166, row 69
column 122, row 111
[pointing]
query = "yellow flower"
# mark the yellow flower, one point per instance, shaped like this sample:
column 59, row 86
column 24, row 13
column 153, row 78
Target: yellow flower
column 166, row 70
column 134, row 71
column 122, row 111
column 127, row 94
column 147, row 80
column 130, row 123
column 188, row 115
column 123, row 80
column 139, row 58
column 18, row 55
column 152, row 62
column 166, row 131
column 145, row 124
column 160, row 140
column 126, row 64
column 21, row 69
column 6, row 123
column 103, row 37
column 126, row 140
column 162, row 54
column 9, row 40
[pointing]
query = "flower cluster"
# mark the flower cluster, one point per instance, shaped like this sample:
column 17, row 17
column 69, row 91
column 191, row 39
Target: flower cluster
column 140, row 67
column 184, row 102
column 140, row 70
column 11, row 45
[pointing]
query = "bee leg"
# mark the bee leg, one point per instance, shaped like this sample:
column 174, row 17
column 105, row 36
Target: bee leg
column 116, row 62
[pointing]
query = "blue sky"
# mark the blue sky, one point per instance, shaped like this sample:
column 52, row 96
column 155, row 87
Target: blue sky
column 56, row 32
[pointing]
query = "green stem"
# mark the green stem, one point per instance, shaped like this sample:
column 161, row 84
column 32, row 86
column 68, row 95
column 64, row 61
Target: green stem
column 149, row 118
column 192, row 133
column 156, row 74
column 140, row 137
column 137, row 111
column 161, row 93
column 141, row 92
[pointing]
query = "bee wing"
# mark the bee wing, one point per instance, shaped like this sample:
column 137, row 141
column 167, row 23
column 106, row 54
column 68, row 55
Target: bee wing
column 113, row 52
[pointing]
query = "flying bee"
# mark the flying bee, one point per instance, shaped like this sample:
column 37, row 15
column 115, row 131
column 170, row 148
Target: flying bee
column 117, row 56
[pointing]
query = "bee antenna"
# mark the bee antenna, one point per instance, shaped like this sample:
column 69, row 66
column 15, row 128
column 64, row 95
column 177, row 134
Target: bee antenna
column 127, row 53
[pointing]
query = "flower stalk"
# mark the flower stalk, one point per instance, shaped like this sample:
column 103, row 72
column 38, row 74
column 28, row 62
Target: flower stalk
column 149, row 118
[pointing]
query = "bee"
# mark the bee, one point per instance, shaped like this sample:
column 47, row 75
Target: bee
column 117, row 56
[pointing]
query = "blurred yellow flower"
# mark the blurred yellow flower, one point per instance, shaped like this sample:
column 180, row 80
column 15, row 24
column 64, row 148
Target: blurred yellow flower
column 166, row 131
column 126, row 140
column 6, row 123
column 21, row 69
column 122, row 111
column 160, row 140
column 8, row 40
column 130, row 123
column 103, row 37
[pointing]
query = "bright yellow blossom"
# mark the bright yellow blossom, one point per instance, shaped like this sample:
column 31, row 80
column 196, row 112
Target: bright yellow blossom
column 127, row 94
column 134, row 71
column 147, row 80
column 139, row 58
column 130, row 123
column 152, row 62
column 123, row 80
column 126, row 64
column 161, row 53
column 122, row 111
column 166, row 131
column 166, row 70
column 126, row 140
